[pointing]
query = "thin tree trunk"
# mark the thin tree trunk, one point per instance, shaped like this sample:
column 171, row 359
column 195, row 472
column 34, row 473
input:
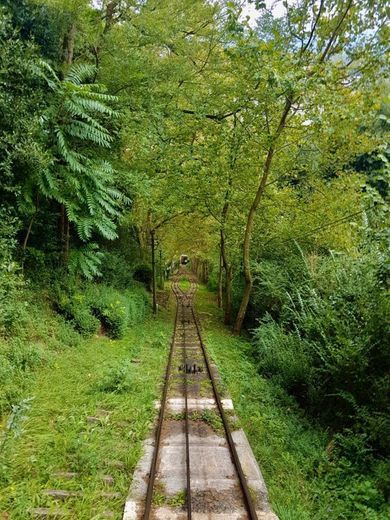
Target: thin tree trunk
column 110, row 10
column 25, row 241
column 251, row 219
column 67, row 240
column 69, row 41
column 228, row 281
column 28, row 233
column 225, row 261
column 228, row 296
column 220, row 281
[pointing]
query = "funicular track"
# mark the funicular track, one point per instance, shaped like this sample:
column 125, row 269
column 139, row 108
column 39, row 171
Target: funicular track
column 188, row 370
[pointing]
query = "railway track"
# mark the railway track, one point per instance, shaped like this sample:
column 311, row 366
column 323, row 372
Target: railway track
column 195, row 471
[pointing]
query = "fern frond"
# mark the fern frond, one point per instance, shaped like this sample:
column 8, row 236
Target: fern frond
column 80, row 73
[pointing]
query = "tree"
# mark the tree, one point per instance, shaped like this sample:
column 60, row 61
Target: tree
column 320, row 45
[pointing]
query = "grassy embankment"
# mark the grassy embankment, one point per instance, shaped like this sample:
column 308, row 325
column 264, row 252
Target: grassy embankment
column 91, row 408
column 286, row 446
column 304, row 479
column 116, row 381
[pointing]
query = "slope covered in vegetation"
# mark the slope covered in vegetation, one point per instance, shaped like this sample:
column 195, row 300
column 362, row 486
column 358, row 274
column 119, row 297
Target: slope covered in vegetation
column 256, row 146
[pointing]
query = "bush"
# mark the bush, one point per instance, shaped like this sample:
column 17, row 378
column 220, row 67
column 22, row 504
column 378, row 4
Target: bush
column 116, row 310
column 76, row 308
column 326, row 342
column 116, row 271
column 89, row 306
column 284, row 357
column 138, row 303
column 143, row 274
column 12, row 296
column 117, row 379
column 110, row 307
column 25, row 356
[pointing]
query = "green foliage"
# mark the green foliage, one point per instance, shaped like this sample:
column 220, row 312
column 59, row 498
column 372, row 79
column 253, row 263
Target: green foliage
column 12, row 301
column 284, row 357
column 87, row 260
column 111, row 307
column 31, row 346
column 184, row 284
column 91, row 306
column 325, row 345
column 117, row 271
column 310, row 473
column 117, row 379
column 79, row 180
column 57, row 434
column 15, row 421
column 39, row 23
column 76, row 309
column 143, row 274
column 118, row 311
column 55, row 132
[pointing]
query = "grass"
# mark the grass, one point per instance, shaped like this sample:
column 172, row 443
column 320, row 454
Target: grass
column 115, row 382
column 91, row 405
column 184, row 284
column 285, row 444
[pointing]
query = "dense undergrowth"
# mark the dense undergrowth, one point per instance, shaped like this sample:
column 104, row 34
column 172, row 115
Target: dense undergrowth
column 41, row 324
column 43, row 313
column 311, row 471
column 319, row 334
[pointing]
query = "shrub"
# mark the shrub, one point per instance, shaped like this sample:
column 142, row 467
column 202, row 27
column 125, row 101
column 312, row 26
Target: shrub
column 25, row 355
column 12, row 296
column 117, row 379
column 85, row 322
column 117, row 310
column 76, row 308
column 89, row 306
column 284, row 357
column 326, row 342
column 116, row 271
column 110, row 307
column 143, row 274
column 138, row 305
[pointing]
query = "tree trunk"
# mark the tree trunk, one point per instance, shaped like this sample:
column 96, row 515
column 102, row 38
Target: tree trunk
column 246, row 258
column 25, row 241
column 67, row 240
column 69, row 44
column 228, row 280
column 220, row 282
column 228, row 295
column 28, row 233
column 110, row 11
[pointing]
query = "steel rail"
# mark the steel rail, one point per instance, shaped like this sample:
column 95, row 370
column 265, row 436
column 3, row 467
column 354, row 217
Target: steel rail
column 184, row 299
column 153, row 467
column 241, row 475
column 187, row 424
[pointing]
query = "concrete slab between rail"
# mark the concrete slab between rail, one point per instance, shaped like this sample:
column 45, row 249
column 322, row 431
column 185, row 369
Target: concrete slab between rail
column 210, row 460
column 135, row 509
column 177, row 404
column 167, row 513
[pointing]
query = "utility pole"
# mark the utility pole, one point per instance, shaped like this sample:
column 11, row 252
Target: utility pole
column 152, row 235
